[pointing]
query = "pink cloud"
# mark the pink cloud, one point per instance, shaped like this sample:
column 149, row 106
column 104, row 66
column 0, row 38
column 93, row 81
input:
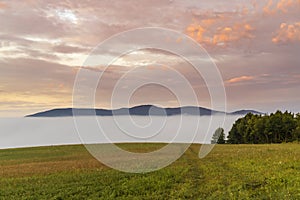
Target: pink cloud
column 240, row 79
column 3, row 5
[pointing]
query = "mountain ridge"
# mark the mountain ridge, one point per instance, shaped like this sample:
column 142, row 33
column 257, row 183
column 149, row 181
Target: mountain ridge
column 140, row 110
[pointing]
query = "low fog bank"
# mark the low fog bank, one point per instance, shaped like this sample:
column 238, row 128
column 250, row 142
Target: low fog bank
column 29, row 132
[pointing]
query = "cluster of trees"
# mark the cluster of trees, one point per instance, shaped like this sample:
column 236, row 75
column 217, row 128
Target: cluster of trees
column 258, row 129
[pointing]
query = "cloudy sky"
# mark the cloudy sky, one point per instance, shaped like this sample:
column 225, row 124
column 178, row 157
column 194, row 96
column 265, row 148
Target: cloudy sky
column 43, row 44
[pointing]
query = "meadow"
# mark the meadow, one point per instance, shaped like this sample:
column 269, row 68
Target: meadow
column 269, row 171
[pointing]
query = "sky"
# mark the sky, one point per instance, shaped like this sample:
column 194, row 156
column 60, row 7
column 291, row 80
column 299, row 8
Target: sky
column 254, row 44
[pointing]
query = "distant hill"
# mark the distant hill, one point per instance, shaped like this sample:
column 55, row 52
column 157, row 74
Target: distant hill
column 142, row 110
column 244, row 112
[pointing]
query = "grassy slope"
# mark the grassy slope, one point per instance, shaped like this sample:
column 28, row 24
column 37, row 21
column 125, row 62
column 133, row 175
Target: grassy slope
column 228, row 172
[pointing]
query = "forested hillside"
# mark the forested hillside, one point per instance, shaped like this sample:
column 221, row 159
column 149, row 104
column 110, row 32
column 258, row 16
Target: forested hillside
column 258, row 129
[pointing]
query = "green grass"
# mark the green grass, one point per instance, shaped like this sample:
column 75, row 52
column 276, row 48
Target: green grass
column 228, row 172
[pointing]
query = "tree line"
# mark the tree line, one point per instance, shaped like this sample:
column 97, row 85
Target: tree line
column 276, row 127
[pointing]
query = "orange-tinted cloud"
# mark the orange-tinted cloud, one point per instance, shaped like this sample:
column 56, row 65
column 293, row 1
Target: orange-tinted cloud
column 268, row 8
column 196, row 31
column 287, row 33
column 179, row 40
column 282, row 6
column 2, row 5
column 223, row 35
column 208, row 22
column 234, row 33
column 220, row 35
column 240, row 79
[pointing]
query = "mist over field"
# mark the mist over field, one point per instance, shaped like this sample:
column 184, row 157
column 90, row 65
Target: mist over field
column 27, row 132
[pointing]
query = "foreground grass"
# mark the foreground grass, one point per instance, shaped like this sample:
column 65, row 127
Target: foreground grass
column 228, row 172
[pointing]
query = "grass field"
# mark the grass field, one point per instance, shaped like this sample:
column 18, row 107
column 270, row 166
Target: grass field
column 228, row 172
